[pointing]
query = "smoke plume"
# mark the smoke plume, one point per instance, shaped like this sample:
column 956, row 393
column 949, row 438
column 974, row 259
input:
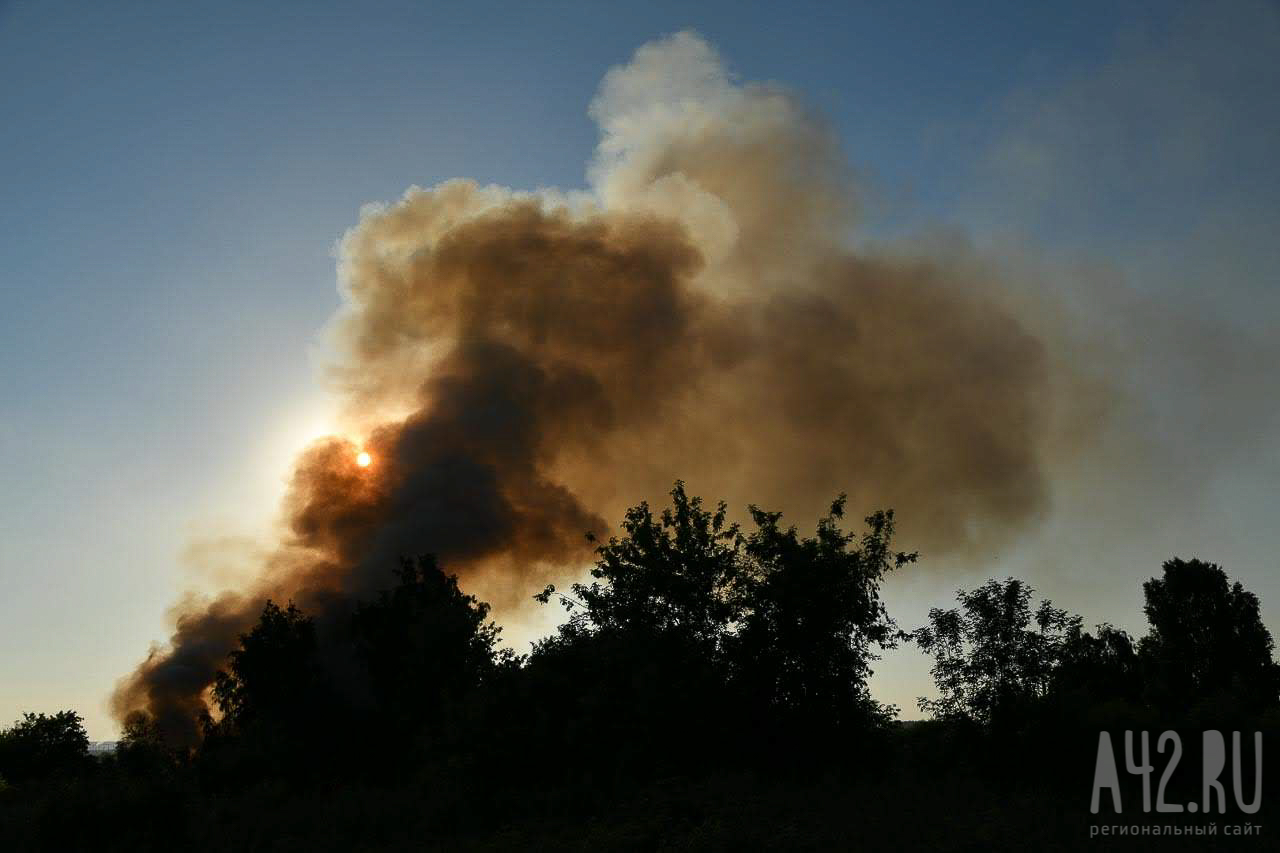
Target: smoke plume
column 521, row 366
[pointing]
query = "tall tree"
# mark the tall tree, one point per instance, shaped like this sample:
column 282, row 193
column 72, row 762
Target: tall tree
column 274, row 675
column 813, row 617
column 671, row 574
column 1206, row 637
column 690, row 620
column 636, row 678
column 994, row 654
column 424, row 642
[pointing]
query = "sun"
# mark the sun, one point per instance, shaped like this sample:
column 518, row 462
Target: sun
column 363, row 459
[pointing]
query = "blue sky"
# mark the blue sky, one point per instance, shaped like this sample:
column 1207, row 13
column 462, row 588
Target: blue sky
column 173, row 178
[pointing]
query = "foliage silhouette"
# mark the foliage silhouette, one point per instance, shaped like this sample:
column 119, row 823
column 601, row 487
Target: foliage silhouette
column 767, row 636
column 42, row 745
column 273, row 674
column 812, row 614
column 638, row 676
column 708, row 690
column 425, row 642
column 1206, row 639
column 674, row 573
column 1098, row 667
column 993, row 656
column 276, row 701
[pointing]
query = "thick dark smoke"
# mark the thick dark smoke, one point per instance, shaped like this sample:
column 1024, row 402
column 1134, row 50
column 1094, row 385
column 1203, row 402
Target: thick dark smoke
column 522, row 366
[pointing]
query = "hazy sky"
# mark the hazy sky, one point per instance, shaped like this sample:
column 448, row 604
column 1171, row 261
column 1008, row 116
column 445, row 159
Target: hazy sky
column 173, row 178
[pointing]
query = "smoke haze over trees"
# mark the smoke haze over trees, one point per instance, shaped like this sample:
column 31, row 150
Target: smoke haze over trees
column 452, row 427
column 510, row 360
column 705, row 667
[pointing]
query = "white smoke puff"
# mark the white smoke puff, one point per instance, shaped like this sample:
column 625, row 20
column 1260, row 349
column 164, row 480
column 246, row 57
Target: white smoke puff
column 756, row 178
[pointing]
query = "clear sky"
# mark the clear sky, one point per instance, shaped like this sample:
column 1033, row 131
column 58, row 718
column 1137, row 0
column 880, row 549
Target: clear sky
column 173, row 178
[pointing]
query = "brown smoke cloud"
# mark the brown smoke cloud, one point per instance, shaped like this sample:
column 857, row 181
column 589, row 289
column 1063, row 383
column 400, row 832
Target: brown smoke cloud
column 526, row 365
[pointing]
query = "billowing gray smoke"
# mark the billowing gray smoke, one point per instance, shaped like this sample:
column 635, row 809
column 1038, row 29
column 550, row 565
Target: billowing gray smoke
column 526, row 365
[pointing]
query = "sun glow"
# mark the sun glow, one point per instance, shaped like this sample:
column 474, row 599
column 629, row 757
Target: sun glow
column 363, row 459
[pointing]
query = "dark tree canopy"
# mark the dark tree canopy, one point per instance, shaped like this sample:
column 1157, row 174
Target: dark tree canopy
column 712, row 675
column 771, row 630
column 637, row 676
column 1206, row 637
column 424, row 642
column 673, row 573
column 43, row 744
column 812, row 614
column 1098, row 667
column 994, row 655
column 274, row 675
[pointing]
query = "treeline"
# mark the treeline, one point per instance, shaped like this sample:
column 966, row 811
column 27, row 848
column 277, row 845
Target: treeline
column 710, row 684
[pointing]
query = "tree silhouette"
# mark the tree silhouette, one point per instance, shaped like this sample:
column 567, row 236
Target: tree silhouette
column 692, row 633
column 142, row 749
column 637, row 674
column 424, row 643
column 41, row 745
column 1098, row 667
column 708, row 689
column 273, row 675
column 276, row 702
column 671, row 574
column 812, row 614
column 1206, row 637
column 989, row 660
